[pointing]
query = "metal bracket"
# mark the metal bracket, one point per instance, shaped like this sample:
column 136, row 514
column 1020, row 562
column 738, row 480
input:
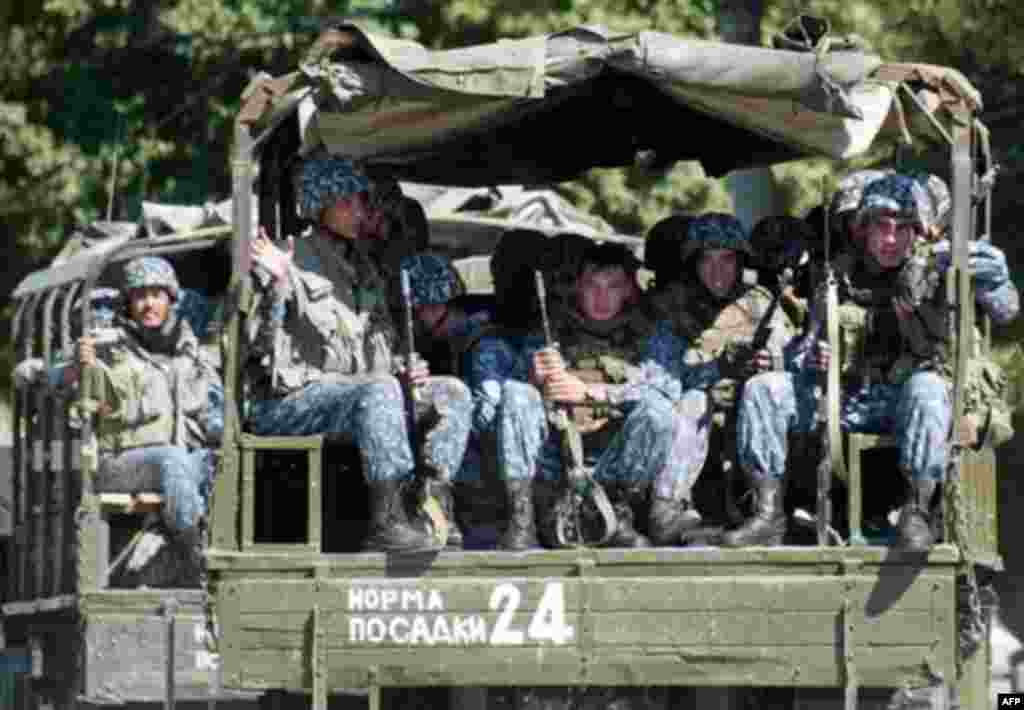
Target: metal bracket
column 169, row 609
column 317, row 661
column 850, row 681
column 373, row 688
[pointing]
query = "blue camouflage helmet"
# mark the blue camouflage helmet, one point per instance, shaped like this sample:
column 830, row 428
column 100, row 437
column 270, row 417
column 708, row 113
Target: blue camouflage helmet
column 150, row 271
column 433, row 279
column 323, row 179
column 716, row 230
column 898, row 194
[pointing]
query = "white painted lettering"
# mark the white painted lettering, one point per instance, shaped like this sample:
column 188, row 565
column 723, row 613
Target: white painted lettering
column 356, row 629
column 412, row 600
column 376, row 629
column 506, row 599
column 442, row 634
column 355, row 599
column 388, row 598
column 435, row 603
column 420, row 632
column 398, row 629
column 477, row 630
column 372, row 599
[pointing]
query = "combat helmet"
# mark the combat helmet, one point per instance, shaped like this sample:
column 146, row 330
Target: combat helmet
column 433, row 279
column 715, row 230
column 900, row 195
column 322, row 179
column 663, row 248
column 780, row 241
column 151, row 271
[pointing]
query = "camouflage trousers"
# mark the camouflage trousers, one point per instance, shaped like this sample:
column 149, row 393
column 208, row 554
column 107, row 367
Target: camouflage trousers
column 919, row 413
column 650, row 448
column 181, row 476
column 371, row 416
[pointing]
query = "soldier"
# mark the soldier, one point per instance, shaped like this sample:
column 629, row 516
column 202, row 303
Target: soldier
column 892, row 303
column 663, row 249
column 705, row 344
column 322, row 355
column 629, row 430
column 152, row 392
column 446, row 321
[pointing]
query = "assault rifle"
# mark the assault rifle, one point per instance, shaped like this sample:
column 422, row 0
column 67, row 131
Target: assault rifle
column 582, row 504
column 426, row 503
column 827, row 316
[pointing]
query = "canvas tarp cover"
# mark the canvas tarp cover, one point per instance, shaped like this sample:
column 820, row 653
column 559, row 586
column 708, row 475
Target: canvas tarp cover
column 544, row 109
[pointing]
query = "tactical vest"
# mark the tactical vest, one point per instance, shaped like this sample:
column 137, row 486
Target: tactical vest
column 875, row 347
column 337, row 323
column 605, row 357
column 733, row 324
column 151, row 397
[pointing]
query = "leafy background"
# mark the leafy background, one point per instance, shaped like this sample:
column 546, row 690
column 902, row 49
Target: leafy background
column 154, row 84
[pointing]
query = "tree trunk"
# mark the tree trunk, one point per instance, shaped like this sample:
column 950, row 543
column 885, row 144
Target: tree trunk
column 753, row 191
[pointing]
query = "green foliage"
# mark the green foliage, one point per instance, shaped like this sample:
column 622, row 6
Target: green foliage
column 154, row 84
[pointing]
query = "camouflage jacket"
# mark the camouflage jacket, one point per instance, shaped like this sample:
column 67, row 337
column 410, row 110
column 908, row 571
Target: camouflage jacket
column 151, row 398
column 500, row 355
column 330, row 321
column 876, row 347
column 694, row 333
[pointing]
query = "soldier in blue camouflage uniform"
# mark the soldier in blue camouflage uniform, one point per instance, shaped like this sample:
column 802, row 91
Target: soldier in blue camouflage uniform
column 703, row 345
column 445, row 322
column 892, row 302
column 628, row 424
column 322, row 355
column 155, row 429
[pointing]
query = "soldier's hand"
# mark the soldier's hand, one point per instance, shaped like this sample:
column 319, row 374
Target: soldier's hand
column 547, row 363
column 735, row 361
column 276, row 261
column 822, row 355
column 563, row 387
column 416, row 373
column 904, row 310
column 419, row 372
column 761, row 362
column 86, row 351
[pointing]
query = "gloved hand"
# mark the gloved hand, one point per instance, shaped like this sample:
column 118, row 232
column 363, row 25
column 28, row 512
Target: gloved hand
column 987, row 263
column 736, row 361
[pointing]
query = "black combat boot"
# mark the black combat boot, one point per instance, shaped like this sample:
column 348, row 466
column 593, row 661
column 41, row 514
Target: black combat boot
column 915, row 529
column 768, row 524
column 669, row 519
column 625, row 500
column 521, row 533
column 445, row 496
column 390, row 528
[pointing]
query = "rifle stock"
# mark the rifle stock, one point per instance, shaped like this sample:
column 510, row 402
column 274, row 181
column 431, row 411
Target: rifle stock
column 427, row 503
column 579, row 484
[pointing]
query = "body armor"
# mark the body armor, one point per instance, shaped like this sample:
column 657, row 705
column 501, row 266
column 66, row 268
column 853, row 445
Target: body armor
column 602, row 353
column 727, row 326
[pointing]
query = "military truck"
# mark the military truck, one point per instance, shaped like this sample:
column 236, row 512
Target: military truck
column 294, row 611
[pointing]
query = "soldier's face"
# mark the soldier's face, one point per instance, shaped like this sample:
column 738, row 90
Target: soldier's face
column 887, row 239
column 717, row 270
column 348, row 217
column 149, row 306
column 603, row 294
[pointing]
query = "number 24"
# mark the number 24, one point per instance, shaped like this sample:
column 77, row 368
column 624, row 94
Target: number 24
column 547, row 624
